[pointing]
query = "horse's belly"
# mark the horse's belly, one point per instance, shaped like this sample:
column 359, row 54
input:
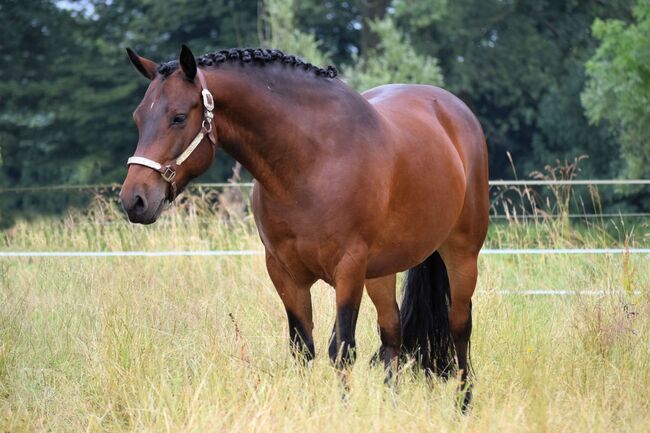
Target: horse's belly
column 405, row 249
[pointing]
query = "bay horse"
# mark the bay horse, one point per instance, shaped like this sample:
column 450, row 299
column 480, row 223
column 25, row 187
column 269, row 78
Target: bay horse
column 349, row 188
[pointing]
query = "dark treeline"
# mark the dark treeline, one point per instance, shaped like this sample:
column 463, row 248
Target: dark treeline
column 550, row 80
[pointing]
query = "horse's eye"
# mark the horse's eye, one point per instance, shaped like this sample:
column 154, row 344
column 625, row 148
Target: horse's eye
column 179, row 119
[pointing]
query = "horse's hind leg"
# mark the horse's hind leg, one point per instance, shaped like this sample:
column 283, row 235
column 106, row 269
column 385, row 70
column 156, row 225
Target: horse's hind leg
column 296, row 297
column 460, row 253
column 382, row 293
column 462, row 272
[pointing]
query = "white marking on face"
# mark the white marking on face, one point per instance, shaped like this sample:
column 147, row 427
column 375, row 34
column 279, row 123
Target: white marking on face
column 151, row 107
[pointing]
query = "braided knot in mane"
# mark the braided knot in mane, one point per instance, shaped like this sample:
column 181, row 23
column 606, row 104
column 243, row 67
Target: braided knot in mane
column 259, row 56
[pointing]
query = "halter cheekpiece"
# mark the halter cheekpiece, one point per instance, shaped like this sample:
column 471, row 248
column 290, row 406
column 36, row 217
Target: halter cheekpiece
column 168, row 172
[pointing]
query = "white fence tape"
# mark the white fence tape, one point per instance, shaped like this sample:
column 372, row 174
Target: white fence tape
column 219, row 253
column 129, row 253
column 561, row 292
column 570, row 182
column 545, row 251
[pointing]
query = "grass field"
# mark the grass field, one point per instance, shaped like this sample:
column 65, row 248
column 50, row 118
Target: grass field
column 200, row 344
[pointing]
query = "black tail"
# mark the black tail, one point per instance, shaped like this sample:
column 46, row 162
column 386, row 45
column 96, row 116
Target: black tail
column 424, row 316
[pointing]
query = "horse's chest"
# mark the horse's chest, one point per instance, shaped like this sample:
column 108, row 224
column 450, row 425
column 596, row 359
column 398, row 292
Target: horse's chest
column 299, row 240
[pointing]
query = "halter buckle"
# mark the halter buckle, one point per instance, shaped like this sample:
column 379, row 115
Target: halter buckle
column 208, row 101
column 169, row 174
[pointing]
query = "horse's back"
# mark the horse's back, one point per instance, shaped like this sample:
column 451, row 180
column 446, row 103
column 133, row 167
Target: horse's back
column 435, row 107
column 421, row 116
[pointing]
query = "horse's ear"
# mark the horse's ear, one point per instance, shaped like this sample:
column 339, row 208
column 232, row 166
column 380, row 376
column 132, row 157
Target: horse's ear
column 145, row 66
column 188, row 63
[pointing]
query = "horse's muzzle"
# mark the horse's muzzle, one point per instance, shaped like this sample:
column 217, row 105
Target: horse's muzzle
column 140, row 207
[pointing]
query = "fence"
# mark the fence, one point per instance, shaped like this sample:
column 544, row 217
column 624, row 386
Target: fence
column 494, row 215
column 531, row 182
column 486, row 252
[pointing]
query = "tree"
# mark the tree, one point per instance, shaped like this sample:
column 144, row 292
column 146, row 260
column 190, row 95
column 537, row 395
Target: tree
column 618, row 89
column 279, row 30
column 36, row 42
column 393, row 61
column 372, row 12
column 336, row 25
column 67, row 89
column 520, row 66
column 33, row 38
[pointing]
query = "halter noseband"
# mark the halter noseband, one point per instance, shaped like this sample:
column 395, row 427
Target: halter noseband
column 167, row 171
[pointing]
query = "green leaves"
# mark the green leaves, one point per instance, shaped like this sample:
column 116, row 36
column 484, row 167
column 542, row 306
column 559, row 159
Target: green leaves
column 618, row 90
column 67, row 89
column 420, row 13
column 520, row 66
column 393, row 61
column 279, row 30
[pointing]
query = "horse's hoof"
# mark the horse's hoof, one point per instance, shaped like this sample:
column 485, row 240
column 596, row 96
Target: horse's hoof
column 465, row 399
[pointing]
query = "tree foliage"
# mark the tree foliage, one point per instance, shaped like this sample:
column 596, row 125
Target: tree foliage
column 520, row 66
column 393, row 61
column 279, row 30
column 67, row 89
column 618, row 90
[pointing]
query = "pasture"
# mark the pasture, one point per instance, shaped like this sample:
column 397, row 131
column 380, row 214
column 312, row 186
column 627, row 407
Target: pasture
column 196, row 344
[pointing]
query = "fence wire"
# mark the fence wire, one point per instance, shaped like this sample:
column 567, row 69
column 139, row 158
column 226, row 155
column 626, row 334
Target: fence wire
column 499, row 182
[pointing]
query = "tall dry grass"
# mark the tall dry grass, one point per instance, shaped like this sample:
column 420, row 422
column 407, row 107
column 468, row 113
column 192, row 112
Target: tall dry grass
column 199, row 344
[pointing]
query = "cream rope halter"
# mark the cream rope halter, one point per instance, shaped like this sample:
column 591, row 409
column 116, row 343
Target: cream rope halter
column 167, row 171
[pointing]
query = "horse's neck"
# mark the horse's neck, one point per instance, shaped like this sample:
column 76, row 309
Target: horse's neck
column 262, row 125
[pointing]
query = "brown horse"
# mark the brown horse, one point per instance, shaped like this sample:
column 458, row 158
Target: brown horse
column 350, row 189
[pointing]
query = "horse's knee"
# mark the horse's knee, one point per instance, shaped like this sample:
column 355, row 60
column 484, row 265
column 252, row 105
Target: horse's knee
column 391, row 337
column 390, row 330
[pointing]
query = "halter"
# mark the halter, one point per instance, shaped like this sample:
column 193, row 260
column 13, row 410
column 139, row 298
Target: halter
column 167, row 171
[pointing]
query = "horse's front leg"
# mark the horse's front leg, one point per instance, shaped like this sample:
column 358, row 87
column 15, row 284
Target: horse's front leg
column 296, row 297
column 349, row 277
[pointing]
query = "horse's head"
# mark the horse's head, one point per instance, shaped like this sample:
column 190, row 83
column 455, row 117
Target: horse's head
column 176, row 136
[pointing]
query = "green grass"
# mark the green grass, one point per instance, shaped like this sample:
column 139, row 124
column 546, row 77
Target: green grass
column 200, row 344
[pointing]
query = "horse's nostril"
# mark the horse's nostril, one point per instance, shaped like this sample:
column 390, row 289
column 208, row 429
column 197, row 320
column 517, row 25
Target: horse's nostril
column 140, row 204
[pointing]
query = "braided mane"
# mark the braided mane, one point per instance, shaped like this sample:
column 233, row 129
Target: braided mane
column 259, row 56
